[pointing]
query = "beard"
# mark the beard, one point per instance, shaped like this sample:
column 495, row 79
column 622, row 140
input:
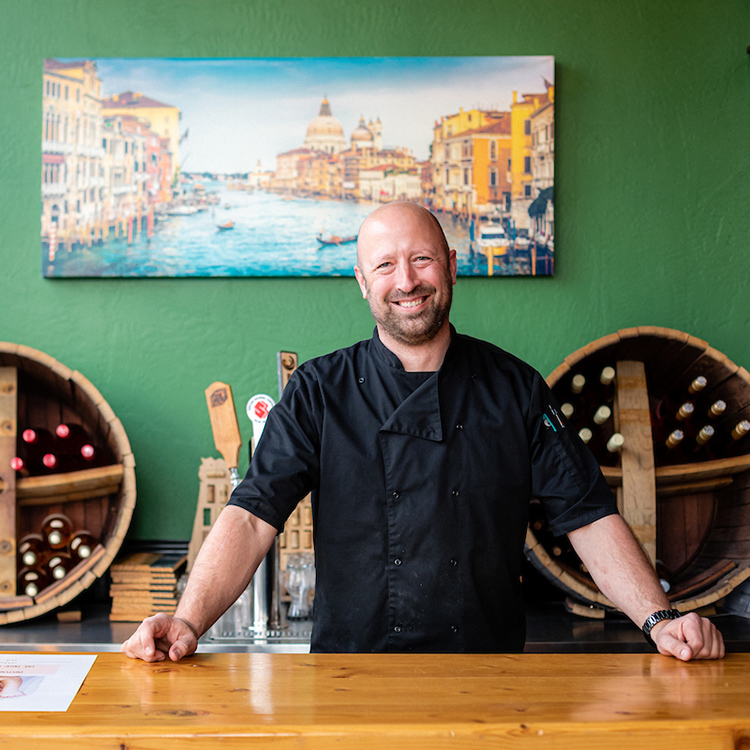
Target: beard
column 419, row 327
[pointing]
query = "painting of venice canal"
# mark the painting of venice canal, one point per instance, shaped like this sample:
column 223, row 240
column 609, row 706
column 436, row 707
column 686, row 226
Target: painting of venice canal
column 133, row 187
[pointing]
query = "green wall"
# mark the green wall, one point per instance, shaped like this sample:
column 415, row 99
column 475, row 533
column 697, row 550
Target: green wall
column 651, row 192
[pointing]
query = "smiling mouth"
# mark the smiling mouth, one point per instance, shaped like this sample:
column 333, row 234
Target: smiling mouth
column 409, row 303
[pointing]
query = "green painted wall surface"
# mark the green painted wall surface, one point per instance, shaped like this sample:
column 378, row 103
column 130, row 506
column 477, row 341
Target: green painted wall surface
column 652, row 202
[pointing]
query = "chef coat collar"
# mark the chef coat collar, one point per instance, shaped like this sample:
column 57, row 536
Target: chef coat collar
column 419, row 414
column 390, row 359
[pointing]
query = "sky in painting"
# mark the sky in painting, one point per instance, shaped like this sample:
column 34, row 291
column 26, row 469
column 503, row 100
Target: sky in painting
column 240, row 111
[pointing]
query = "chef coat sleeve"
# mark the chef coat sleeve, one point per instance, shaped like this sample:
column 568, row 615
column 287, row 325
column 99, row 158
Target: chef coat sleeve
column 285, row 464
column 565, row 475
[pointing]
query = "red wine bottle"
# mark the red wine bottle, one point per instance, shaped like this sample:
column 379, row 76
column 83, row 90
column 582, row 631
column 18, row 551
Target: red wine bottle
column 19, row 466
column 92, row 456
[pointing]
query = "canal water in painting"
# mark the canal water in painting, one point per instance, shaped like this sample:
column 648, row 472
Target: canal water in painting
column 271, row 235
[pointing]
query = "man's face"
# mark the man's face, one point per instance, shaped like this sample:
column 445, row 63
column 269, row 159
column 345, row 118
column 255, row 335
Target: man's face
column 406, row 273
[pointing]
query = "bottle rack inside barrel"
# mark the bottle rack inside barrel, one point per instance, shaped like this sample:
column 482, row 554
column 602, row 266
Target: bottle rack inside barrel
column 681, row 476
column 60, row 526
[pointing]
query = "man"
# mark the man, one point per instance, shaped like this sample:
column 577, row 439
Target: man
column 422, row 448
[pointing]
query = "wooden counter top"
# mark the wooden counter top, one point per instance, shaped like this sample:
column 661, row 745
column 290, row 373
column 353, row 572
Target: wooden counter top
column 404, row 702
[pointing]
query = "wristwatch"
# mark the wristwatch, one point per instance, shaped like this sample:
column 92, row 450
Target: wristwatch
column 651, row 620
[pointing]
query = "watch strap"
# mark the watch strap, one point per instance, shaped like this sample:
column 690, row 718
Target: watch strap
column 660, row 616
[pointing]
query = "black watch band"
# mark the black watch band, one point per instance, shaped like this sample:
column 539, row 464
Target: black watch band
column 651, row 620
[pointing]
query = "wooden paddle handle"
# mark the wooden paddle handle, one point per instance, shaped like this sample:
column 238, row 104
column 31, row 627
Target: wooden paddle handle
column 224, row 424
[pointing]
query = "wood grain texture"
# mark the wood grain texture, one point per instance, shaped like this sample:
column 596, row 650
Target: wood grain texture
column 8, row 429
column 224, row 422
column 422, row 702
column 633, row 420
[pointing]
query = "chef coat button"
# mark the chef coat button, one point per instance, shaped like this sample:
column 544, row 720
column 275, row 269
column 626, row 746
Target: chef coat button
column 454, row 629
column 459, row 427
column 395, row 495
column 397, row 561
column 454, row 562
column 473, row 376
column 360, row 380
column 397, row 629
column 455, row 493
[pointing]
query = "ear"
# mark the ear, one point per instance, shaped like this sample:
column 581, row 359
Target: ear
column 361, row 281
column 453, row 265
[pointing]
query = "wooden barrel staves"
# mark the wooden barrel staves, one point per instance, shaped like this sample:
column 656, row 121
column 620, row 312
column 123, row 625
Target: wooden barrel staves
column 60, row 526
column 682, row 475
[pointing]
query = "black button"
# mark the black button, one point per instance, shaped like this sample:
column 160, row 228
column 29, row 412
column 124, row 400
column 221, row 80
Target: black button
column 454, row 629
column 395, row 495
column 454, row 561
column 459, row 427
column 397, row 561
column 455, row 493
column 397, row 629
column 360, row 380
column 473, row 376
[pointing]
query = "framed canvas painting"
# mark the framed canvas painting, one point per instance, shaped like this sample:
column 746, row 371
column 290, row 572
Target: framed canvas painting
column 267, row 167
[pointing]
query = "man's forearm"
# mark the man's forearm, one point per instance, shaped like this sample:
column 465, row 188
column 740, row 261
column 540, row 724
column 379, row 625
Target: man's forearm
column 228, row 558
column 619, row 567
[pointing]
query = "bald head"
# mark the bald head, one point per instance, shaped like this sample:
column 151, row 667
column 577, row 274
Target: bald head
column 397, row 217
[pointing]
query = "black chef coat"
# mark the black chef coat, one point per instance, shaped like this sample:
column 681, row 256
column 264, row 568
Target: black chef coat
column 421, row 486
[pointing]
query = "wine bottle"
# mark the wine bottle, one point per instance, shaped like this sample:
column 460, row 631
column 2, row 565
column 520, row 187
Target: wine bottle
column 55, row 463
column 602, row 414
column 606, row 389
column 82, row 545
column 32, row 551
column 57, row 530
column 59, row 565
column 610, row 456
column 92, row 456
column 717, row 409
column 585, row 434
column 741, row 429
column 19, row 466
column 567, row 409
column 577, row 384
column 697, row 385
column 667, row 450
column 685, row 412
column 31, row 581
column 38, row 436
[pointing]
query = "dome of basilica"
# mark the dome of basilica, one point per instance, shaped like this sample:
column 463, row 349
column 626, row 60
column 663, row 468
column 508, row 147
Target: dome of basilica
column 325, row 132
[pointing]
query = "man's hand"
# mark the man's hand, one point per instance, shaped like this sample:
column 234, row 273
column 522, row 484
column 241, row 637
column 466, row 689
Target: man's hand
column 688, row 637
column 159, row 637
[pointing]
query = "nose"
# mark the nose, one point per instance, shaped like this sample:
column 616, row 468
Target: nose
column 406, row 278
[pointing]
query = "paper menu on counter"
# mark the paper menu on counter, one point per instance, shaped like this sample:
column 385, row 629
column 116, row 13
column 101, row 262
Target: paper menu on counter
column 41, row 682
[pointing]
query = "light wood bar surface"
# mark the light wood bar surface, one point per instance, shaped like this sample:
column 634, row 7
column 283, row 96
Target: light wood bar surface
column 284, row 701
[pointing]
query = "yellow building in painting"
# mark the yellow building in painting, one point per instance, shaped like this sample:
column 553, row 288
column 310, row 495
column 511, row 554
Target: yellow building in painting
column 466, row 170
column 162, row 119
column 520, row 171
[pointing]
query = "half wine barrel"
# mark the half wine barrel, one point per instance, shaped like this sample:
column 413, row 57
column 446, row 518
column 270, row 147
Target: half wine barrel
column 686, row 496
column 93, row 499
